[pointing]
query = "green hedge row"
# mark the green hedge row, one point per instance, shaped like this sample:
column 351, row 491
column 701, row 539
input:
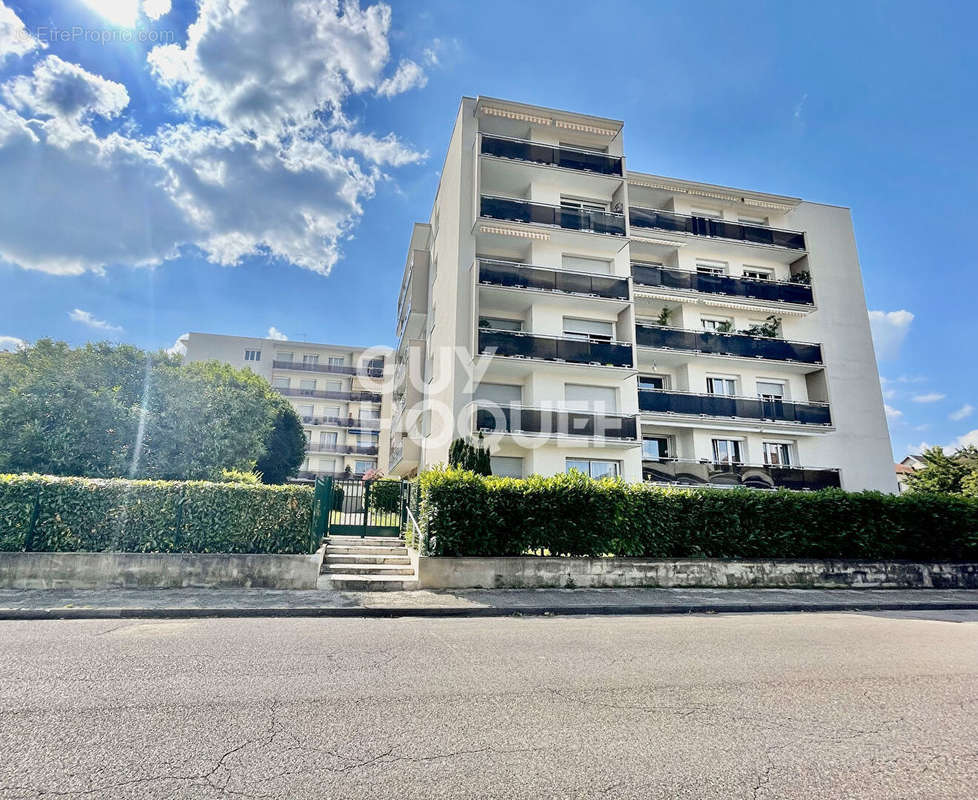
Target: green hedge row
column 45, row 513
column 462, row 514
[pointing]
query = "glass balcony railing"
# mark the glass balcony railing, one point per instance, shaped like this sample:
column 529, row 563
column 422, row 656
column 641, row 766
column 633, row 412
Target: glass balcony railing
column 372, row 369
column 567, row 157
column 719, row 228
column 354, row 449
column 516, row 344
column 344, row 422
column 752, row 476
column 521, row 276
column 727, row 344
column 576, row 219
column 365, row 397
column 513, row 418
column 661, row 401
column 754, row 289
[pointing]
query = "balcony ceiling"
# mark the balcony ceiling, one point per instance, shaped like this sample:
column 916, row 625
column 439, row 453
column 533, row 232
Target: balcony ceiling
column 507, row 367
column 655, row 421
column 493, row 235
column 512, row 178
column 504, row 298
column 650, row 358
column 658, row 244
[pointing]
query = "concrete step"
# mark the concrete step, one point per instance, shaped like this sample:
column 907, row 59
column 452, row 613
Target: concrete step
column 366, row 558
column 338, row 549
column 371, row 583
column 369, row 569
column 383, row 541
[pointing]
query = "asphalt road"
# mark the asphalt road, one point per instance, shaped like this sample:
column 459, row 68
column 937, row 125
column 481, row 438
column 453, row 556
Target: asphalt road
column 752, row 706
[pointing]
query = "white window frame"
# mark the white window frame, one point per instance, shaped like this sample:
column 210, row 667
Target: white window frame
column 748, row 220
column 304, row 384
column 583, row 203
column 658, row 437
column 737, row 450
column 708, row 213
column 588, row 335
column 664, row 379
column 787, row 448
column 730, row 380
column 505, row 320
column 280, row 382
column 308, row 358
column 286, row 355
column 590, row 462
column 712, row 323
column 252, row 355
column 781, row 383
column 357, row 463
column 765, row 273
column 336, row 361
column 706, row 266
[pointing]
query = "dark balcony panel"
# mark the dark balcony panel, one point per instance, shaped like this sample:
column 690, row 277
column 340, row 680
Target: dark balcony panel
column 672, row 278
column 569, row 158
column 518, row 276
column 370, row 370
column 365, row 397
column 722, row 229
column 517, row 419
column 728, row 344
column 516, row 344
column 712, row 405
column 504, row 208
column 752, row 476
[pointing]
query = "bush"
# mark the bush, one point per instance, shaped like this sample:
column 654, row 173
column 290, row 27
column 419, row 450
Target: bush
column 463, row 514
column 385, row 496
column 45, row 513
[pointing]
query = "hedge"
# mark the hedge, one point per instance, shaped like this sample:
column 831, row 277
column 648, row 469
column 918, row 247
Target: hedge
column 46, row 513
column 463, row 514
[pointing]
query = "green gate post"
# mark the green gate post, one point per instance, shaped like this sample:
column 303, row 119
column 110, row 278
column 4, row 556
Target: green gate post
column 366, row 506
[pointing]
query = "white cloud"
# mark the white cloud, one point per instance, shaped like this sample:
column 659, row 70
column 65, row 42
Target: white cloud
column 9, row 343
column 154, row 9
column 963, row 412
column 87, row 318
column 964, row 440
column 889, row 330
column 407, row 76
column 889, row 394
column 15, row 40
column 275, row 333
column 179, row 347
column 929, row 397
column 386, row 150
column 57, row 88
column 892, row 413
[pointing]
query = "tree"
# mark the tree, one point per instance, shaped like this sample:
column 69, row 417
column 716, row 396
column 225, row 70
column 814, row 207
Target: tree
column 463, row 455
column 956, row 473
column 285, row 447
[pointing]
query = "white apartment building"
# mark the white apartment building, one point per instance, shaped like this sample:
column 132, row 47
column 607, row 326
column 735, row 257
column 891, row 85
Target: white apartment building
column 583, row 315
column 336, row 390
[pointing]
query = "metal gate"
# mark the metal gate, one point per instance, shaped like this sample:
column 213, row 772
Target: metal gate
column 351, row 507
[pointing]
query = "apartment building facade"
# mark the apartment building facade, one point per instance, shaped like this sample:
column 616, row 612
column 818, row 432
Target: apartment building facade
column 583, row 315
column 337, row 391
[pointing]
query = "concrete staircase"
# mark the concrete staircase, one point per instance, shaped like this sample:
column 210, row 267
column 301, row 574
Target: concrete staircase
column 372, row 564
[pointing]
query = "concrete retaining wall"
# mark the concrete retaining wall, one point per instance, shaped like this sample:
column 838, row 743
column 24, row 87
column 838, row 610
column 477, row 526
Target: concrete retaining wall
column 540, row 573
column 157, row 570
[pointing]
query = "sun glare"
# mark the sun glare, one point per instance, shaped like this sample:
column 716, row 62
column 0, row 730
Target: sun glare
column 119, row 12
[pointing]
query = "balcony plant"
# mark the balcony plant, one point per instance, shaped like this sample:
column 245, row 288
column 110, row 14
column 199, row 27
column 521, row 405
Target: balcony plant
column 725, row 327
column 769, row 329
column 663, row 318
column 804, row 277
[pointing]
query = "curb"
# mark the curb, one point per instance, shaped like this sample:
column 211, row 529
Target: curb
column 13, row 614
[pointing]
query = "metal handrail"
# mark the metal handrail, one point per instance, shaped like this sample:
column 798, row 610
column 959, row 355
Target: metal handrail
column 593, row 412
column 581, row 338
column 520, row 264
column 716, row 463
column 721, row 333
column 549, row 144
column 732, row 396
column 695, row 272
column 552, row 205
column 716, row 219
column 336, row 369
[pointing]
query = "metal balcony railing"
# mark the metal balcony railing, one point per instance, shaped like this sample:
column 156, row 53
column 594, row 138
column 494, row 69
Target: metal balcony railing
column 576, row 219
column 373, row 369
column 517, row 344
column 715, row 405
column 351, row 449
column 752, row 476
column 557, row 156
column 727, row 344
column 751, row 288
column 721, row 229
column 364, row 397
column 493, row 272
column 344, row 422
column 514, row 418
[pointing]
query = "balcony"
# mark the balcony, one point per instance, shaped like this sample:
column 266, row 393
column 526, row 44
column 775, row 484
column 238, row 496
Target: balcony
column 659, row 220
column 751, row 476
column 555, row 422
column 362, row 397
column 520, row 276
column 516, row 344
column 727, row 344
column 343, row 422
column 373, row 369
column 748, row 288
column 566, row 157
column 575, row 219
column 660, row 401
column 352, row 449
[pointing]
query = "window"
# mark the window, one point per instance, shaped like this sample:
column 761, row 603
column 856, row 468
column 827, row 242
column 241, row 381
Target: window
column 719, row 324
column 327, row 465
column 337, row 361
column 655, row 448
column 252, row 355
column 331, row 411
column 602, row 399
column 752, row 220
column 280, row 383
column 594, row 467
column 711, row 267
column 334, row 386
column 582, row 264
column 280, row 356
column 709, row 213
column 759, row 273
column 327, row 438
column 305, row 411
column 307, row 359
column 651, row 382
column 777, row 454
column 369, row 413
column 360, row 467
column 769, row 390
column 501, row 324
column 507, row 466
column 724, row 386
column 308, row 384
column 502, row 394
column 727, row 451
column 588, row 329
column 583, row 204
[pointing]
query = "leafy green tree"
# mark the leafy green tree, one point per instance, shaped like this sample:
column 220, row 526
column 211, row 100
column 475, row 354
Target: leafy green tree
column 946, row 474
column 463, row 455
column 285, row 447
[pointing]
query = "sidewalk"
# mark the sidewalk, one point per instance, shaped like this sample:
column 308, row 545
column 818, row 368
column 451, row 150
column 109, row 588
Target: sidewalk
column 183, row 603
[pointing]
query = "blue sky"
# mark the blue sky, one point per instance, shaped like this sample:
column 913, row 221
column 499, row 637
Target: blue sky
column 263, row 170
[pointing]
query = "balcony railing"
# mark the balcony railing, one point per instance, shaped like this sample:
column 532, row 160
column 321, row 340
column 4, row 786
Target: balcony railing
column 755, row 289
column 364, row 397
column 307, row 475
column 567, row 157
column 343, row 422
column 715, row 405
column 516, row 344
column 372, row 370
column 353, row 449
column 575, row 219
column 721, row 229
column 753, row 476
column 521, row 419
column 727, row 344
column 521, row 276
